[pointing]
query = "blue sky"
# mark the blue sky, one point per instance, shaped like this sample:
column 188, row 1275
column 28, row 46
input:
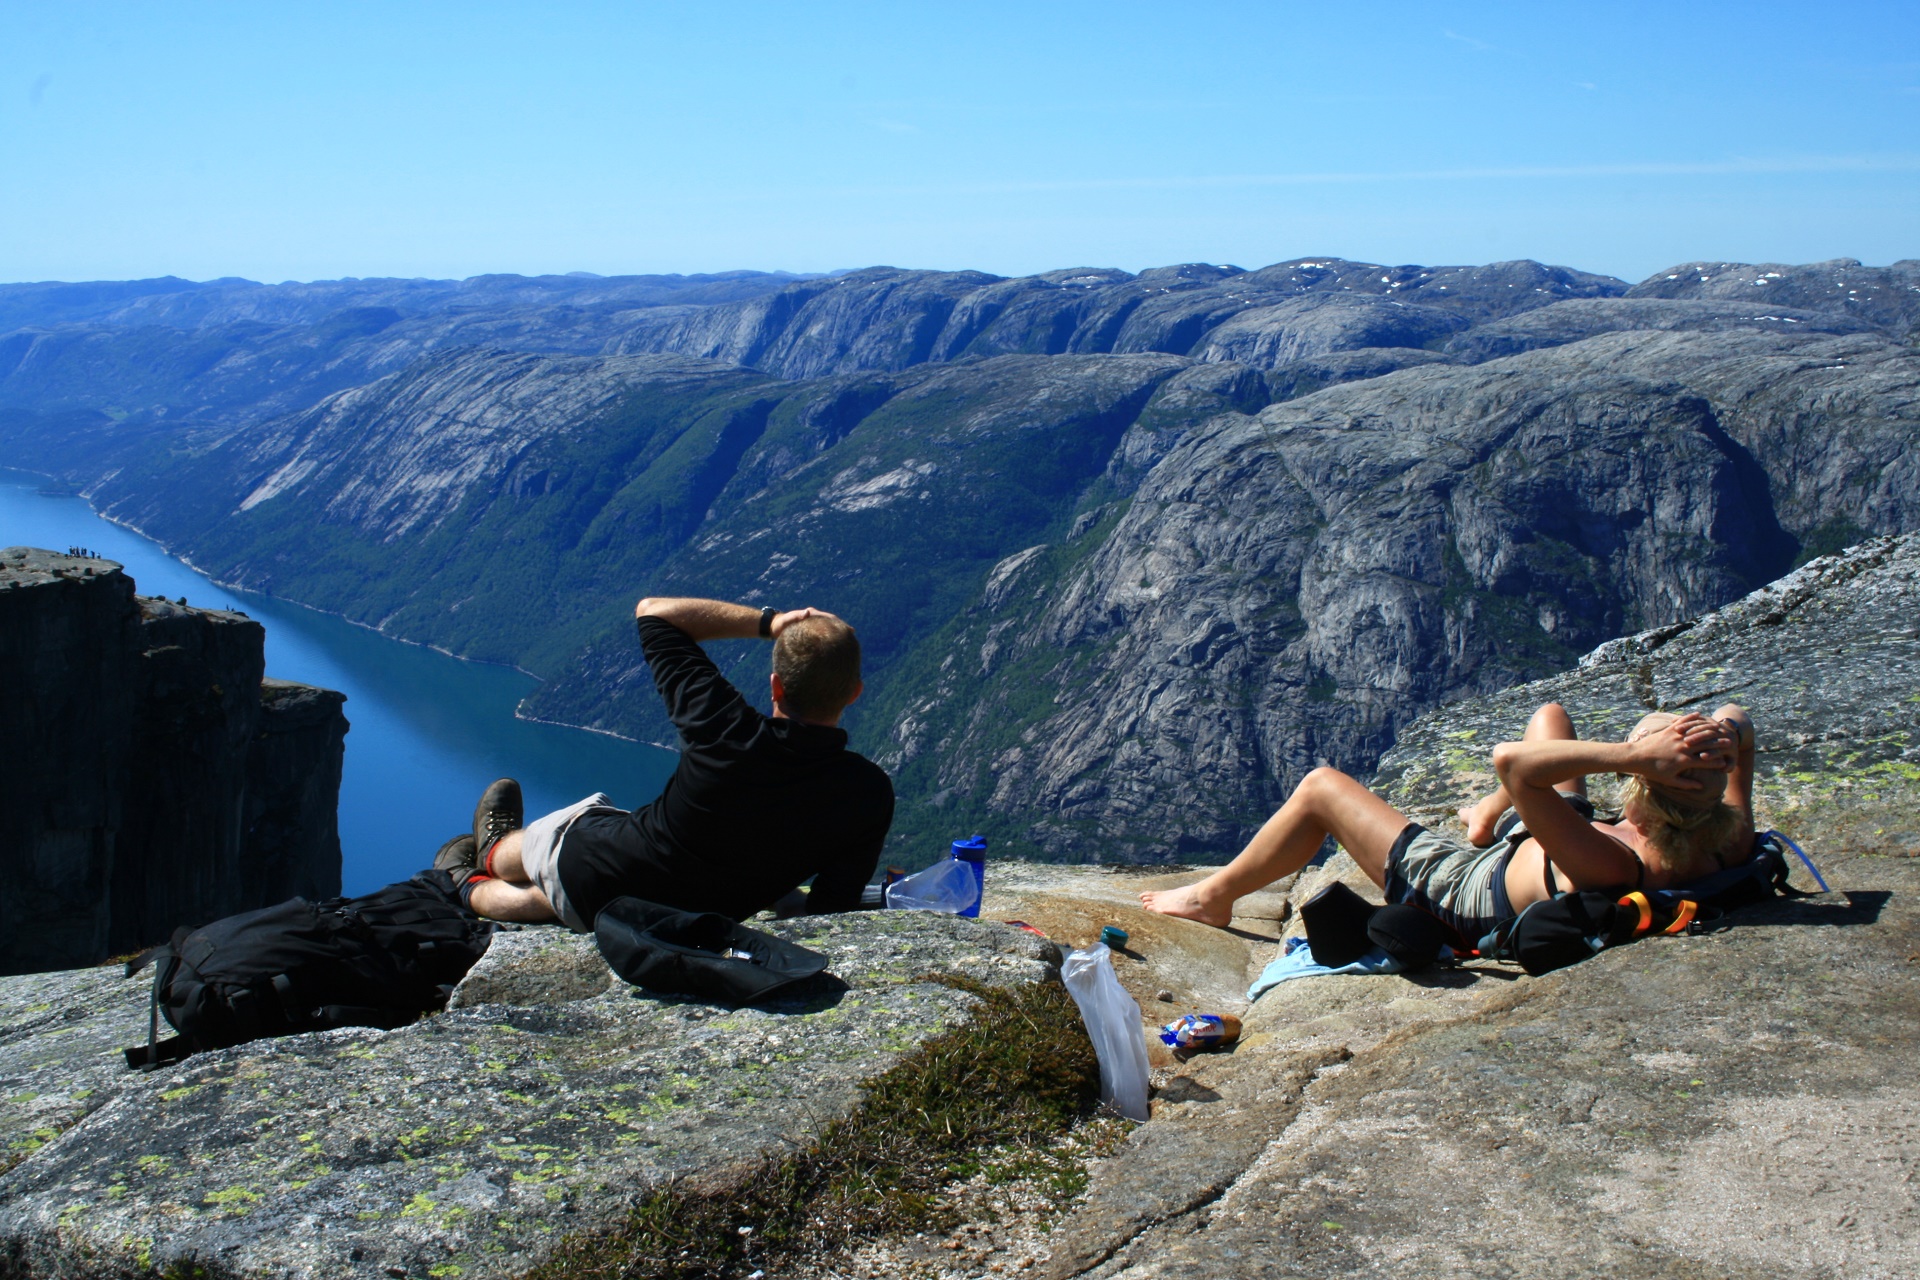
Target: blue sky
column 291, row 140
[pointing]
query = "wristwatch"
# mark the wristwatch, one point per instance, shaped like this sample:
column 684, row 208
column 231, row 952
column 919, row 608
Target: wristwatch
column 766, row 622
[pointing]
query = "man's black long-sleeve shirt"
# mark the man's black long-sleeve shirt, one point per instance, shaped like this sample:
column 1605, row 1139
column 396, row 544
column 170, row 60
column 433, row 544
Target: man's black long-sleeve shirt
column 756, row 805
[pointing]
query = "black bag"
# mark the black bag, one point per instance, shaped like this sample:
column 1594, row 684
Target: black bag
column 1556, row 932
column 698, row 953
column 379, row 960
column 1342, row 926
column 1562, row 930
column 1407, row 933
column 1761, row 877
column 1336, row 919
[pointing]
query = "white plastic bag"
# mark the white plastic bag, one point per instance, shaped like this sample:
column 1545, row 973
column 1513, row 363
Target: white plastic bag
column 948, row 885
column 1113, row 1024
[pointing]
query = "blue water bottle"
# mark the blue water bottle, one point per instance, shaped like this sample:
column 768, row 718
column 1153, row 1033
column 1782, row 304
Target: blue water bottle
column 973, row 852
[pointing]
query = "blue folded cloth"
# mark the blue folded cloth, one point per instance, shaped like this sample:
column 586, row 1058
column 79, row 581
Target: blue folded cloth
column 1297, row 962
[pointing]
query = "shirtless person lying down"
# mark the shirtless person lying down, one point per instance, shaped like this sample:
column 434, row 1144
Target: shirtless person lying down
column 1688, row 813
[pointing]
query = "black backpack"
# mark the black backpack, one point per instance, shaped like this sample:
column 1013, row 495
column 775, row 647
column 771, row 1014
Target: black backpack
column 1569, row 927
column 698, row 953
column 1562, row 930
column 379, row 960
column 1759, row 878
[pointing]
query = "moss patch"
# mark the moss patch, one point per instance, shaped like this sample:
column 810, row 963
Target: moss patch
column 1021, row 1070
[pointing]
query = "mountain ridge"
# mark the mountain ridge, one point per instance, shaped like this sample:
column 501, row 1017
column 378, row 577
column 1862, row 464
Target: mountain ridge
column 1116, row 600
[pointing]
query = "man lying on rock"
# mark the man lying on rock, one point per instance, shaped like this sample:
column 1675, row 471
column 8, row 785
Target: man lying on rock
column 1688, row 812
column 757, row 804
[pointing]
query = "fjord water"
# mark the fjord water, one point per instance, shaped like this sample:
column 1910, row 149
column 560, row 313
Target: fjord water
column 429, row 731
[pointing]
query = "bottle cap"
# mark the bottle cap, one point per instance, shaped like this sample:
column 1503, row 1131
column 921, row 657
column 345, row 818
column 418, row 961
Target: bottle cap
column 1114, row 936
column 972, row 849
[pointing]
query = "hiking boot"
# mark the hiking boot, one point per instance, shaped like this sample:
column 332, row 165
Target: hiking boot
column 457, row 857
column 500, row 810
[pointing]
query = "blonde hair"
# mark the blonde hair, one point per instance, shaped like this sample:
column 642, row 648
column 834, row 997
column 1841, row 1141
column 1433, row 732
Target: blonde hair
column 1692, row 840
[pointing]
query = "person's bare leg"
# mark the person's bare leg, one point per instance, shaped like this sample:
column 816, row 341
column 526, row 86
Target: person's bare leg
column 506, row 862
column 510, row 895
column 1327, row 802
column 1550, row 722
column 498, row 899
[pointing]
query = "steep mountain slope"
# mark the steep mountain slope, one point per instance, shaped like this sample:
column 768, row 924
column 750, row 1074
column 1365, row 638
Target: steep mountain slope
column 896, row 518
column 478, row 500
column 1284, row 590
column 1129, row 553
column 1563, row 322
column 231, row 352
column 508, row 506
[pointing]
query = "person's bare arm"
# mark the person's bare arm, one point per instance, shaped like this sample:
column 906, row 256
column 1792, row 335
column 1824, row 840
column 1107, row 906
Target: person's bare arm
column 1591, row 858
column 714, row 619
column 1740, row 774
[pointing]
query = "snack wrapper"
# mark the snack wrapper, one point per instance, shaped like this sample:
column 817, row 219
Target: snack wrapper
column 1196, row 1032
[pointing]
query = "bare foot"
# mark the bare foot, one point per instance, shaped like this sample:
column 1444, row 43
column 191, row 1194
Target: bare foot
column 1479, row 828
column 1186, row 904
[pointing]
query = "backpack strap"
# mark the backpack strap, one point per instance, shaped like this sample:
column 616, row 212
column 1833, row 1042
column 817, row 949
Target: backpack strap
column 157, row 1052
column 282, row 988
column 142, row 1057
column 1780, row 878
column 147, row 957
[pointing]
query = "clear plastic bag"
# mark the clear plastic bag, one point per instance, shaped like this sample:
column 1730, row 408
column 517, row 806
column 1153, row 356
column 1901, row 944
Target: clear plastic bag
column 1113, row 1024
column 949, row 885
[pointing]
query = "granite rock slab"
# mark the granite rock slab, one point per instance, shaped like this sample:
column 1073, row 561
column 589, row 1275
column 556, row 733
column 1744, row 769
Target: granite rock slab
column 545, row 1102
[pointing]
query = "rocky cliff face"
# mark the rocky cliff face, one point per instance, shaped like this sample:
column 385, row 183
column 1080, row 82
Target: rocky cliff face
column 1290, row 588
column 71, row 632
column 161, row 783
column 1104, row 534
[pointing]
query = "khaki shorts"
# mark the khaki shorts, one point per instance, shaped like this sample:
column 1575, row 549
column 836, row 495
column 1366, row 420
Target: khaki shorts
column 540, row 854
column 1466, row 887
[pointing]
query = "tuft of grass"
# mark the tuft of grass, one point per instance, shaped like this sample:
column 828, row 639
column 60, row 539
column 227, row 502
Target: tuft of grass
column 1020, row 1070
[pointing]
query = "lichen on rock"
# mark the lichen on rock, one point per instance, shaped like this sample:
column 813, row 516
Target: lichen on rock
column 544, row 1106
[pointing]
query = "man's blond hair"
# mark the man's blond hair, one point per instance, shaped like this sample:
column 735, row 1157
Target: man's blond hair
column 818, row 662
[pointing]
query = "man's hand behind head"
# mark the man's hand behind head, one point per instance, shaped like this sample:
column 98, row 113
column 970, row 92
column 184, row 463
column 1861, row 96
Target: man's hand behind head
column 781, row 621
